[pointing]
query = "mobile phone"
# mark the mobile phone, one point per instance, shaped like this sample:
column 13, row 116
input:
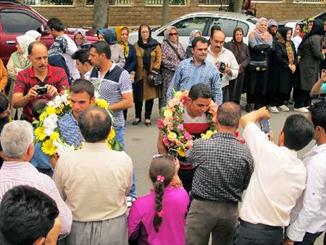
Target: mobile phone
column 173, row 152
column 265, row 126
column 42, row 90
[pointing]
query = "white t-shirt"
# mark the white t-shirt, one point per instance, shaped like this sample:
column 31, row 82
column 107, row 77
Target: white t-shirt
column 72, row 48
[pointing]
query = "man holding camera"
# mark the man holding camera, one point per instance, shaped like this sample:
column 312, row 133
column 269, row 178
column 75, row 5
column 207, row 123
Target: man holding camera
column 40, row 81
column 223, row 59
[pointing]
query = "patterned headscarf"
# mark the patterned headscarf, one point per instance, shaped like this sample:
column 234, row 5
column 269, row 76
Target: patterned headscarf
column 124, row 45
column 260, row 36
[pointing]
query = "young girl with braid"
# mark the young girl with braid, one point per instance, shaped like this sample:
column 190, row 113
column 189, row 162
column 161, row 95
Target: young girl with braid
column 158, row 218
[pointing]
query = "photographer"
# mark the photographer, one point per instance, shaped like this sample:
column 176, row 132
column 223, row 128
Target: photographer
column 223, row 59
column 40, row 81
column 320, row 86
column 278, row 179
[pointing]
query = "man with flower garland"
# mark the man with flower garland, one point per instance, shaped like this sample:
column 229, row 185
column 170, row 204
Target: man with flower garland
column 198, row 112
column 223, row 169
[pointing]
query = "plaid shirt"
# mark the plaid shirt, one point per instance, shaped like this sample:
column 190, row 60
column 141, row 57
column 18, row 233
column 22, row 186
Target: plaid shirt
column 224, row 167
column 69, row 130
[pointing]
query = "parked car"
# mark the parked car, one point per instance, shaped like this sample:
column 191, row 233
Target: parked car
column 303, row 22
column 16, row 19
column 203, row 21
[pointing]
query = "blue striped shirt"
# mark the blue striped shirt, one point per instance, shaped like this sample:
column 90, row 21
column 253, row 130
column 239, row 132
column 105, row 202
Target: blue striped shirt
column 188, row 74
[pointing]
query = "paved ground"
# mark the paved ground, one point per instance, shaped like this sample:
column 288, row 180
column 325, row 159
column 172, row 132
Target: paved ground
column 141, row 146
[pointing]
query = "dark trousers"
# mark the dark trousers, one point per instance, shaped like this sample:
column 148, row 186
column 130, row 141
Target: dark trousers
column 251, row 234
column 302, row 98
column 206, row 217
column 186, row 176
column 226, row 94
column 148, row 108
column 256, row 88
column 236, row 87
column 309, row 238
column 279, row 99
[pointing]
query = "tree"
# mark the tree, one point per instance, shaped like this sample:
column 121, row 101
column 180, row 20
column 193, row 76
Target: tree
column 100, row 19
column 165, row 12
column 236, row 5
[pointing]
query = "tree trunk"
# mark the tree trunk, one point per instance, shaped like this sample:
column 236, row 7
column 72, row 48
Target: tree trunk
column 100, row 14
column 235, row 6
column 165, row 12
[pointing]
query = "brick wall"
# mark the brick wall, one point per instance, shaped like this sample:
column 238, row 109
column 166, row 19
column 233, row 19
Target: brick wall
column 80, row 15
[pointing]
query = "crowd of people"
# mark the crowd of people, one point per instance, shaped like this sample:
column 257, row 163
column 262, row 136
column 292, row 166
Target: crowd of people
column 204, row 167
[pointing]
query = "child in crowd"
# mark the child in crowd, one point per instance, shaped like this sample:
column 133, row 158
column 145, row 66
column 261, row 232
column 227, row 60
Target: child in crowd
column 159, row 217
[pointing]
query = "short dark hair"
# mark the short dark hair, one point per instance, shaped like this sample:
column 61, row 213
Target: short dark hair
column 102, row 47
column 56, row 24
column 95, row 124
column 197, row 40
column 31, row 46
column 82, row 55
column 318, row 114
column 83, row 85
column 38, row 108
column 4, row 102
column 215, row 28
column 26, row 214
column 229, row 114
column 298, row 132
column 200, row 90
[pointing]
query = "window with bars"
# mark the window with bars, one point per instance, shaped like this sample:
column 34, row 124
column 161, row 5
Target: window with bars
column 309, row 1
column 112, row 2
column 213, row 2
column 49, row 2
column 160, row 2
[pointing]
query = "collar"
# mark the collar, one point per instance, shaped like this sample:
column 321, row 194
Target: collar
column 111, row 68
column 12, row 165
column 224, row 135
column 72, row 116
column 191, row 59
column 95, row 146
column 317, row 149
column 214, row 55
column 31, row 72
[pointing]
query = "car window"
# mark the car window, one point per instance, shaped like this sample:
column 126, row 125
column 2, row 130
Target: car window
column 18, row 22
column 227, row 25
column 186, row 26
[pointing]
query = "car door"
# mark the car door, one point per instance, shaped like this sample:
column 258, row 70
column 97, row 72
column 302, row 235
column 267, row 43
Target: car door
column 13, row 24
column 185, row 26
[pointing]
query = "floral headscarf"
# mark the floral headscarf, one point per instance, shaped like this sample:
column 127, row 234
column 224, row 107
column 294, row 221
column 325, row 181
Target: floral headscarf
column 124, row 45
column 260, row 36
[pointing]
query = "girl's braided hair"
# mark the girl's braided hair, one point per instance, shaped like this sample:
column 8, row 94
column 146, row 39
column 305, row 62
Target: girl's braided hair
column 161, row 172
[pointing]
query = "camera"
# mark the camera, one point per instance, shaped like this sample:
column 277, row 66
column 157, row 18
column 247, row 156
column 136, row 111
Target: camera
column 265, row 126
column 42, row 90
column 222, row 67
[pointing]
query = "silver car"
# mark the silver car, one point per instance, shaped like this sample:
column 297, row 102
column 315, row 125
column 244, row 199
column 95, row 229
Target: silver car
column 203, row 21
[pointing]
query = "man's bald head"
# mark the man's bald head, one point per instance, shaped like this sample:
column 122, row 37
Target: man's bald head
column 228, row 114
column 37, row 45
column 95, row 124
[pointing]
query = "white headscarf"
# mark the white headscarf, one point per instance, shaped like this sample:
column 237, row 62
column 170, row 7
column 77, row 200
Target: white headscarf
column 33, row 35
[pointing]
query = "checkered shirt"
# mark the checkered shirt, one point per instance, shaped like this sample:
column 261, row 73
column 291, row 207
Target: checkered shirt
column 224, row 167
column 69, row 130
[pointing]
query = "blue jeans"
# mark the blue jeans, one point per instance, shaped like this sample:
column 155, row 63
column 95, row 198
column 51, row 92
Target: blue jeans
column 119, row 136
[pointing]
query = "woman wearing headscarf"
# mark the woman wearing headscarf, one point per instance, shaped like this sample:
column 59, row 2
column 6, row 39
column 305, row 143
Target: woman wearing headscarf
column 285, row 69
column 34, row 35
column 80, row 39
column 242, row 55
column 311, row 53
column 129, row 53
column 172, row 54
column 109, row 35
column 193, row 35
column 260, row 41
column 149, row 57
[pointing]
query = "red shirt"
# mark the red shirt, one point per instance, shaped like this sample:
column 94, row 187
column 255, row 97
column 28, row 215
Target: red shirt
column 26, row 79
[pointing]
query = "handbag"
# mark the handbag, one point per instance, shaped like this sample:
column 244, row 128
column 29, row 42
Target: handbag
column 154, row 79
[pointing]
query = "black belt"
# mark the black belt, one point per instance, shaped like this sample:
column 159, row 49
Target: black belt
column 259, row 226
column 194, row 196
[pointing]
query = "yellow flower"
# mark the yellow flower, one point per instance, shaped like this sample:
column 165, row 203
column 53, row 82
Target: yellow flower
column 109, row 145
column 58, row 110
column 181, row 152
column 102, row 103
column 172, row 136
column 178, row 95
column 111, row 134
column 54, row 136
column 50, row 110
column 43, row 116
column 168, row 113
column 48, row 147
column 40, row 133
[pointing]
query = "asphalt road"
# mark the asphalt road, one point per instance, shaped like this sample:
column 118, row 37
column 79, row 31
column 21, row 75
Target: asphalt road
column 141, row 145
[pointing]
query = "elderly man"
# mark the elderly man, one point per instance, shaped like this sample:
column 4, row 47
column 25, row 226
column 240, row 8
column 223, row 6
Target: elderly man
column 223, row 59
column 96, row 195
column 197, row 70
column 278, row 179
column 40, row 81
column 18, row 149
column 112, row 83
column 219, row 181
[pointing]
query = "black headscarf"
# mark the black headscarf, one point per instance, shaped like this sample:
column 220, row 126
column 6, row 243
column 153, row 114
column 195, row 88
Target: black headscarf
column 317, row 29
column 283, row 31
column 148, row 47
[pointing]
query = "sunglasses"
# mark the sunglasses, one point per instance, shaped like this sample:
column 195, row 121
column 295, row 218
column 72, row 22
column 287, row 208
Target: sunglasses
column 173, row 34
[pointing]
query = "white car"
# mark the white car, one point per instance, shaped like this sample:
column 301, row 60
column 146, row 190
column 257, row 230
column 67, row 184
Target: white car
column 203, row 21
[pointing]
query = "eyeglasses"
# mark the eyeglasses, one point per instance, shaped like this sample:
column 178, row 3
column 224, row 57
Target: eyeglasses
column 173, row 34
